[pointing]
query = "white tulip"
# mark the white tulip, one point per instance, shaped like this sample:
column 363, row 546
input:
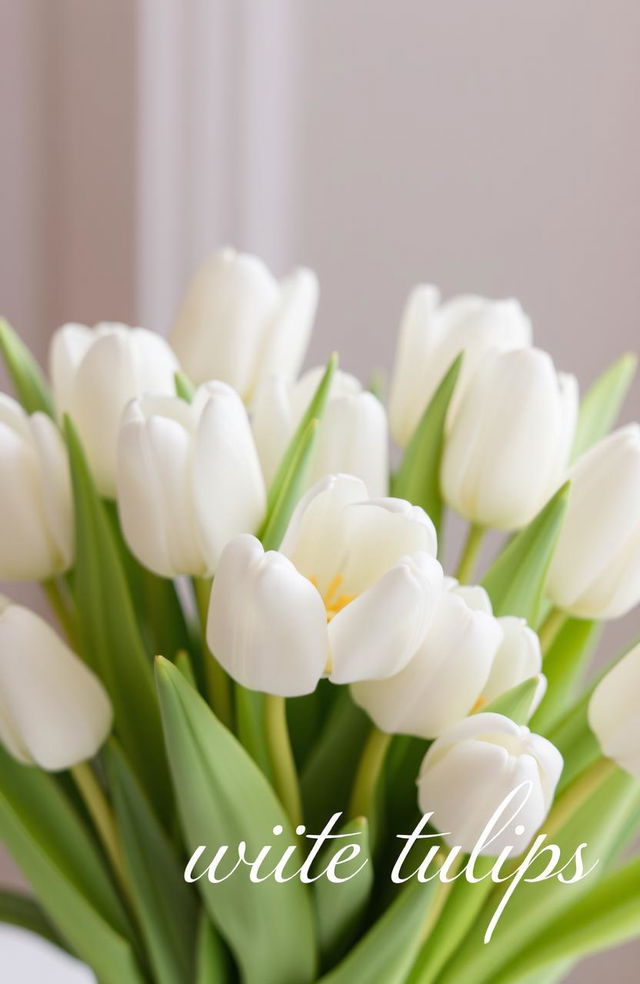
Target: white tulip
column 471, row 769
column 238, row 323
column 432, row 335
column 36, row 516
column 445, row 678
column 352, row 436
column 349, row 596
column 518, row 658
column 510, row 440
column 95, row 372
column 189, row 479
column 614, row 713
column 54, row 711
column 595, row 571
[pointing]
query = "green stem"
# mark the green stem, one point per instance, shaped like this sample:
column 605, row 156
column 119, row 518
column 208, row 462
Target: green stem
column 100, row 812
column 368, row 774
column 285, row 776
column 469, row 556
column 217, row 681
column 576, row 794
column 61, row 610
column 550, row 628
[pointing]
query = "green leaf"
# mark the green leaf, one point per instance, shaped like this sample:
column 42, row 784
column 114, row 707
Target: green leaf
column 535, row 908
column 110, row 638
column 212, row 959
column 340, row 906
column 165, row 906
column 418, row 478
column 25, row 373
column 17, row 909
column 184, row 387
column 605, row 916
column 388, row 950
column 564, row 666
column 515, row 703
column 221, row 793
column 51, row 846
column 602, row 402
column 515, row 581
column 328, row 774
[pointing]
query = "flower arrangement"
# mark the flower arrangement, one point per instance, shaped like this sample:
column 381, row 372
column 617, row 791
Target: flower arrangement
column 352, row 766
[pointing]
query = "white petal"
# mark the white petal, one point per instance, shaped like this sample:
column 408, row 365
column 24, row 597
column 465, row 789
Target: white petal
column 376, row 635
column 69, row 345
column 288, row 332
column 56, row 485
column 352, row 437
column 272, row 423
column 411, row 388
column 518, row 658
column 54, row 712
column 229, row 490
column 267, row 623
column 614, row 713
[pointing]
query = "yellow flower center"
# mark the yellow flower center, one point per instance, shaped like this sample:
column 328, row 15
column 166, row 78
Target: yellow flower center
column 334, row 600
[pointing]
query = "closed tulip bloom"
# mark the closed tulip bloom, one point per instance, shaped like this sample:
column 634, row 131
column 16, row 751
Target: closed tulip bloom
column 352, row 436
column 471, row 769
column 189, row 479
column 445, row 678
column 614, row 713
column 54, row 711
column 432, row 335
column 349, row 595
column 507, row 449
column 36, row 518
column 595, row 571
column 518, row 658
column 95, row 372
column 237, row 323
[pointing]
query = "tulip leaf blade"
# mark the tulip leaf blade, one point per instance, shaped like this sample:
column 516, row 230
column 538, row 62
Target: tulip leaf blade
column 164, row 905
column 290, row 491
column 52, row 847
column 386, row 953
column 212, row 958
column 25, row 373
column 268, row 926
column 296, row 455
column 516, row 580
column 602, row 403
column 110, row 638
column 340, row 906
column 418, row 477
column 17, row 909
column 515, row 703
column 564, row 664
column 607, row 915
column 184, row 387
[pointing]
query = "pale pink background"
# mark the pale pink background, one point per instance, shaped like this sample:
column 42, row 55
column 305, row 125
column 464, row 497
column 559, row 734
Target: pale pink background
column 489, row 147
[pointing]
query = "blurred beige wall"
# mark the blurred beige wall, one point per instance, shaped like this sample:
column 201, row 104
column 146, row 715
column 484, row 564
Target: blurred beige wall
column 490, row 147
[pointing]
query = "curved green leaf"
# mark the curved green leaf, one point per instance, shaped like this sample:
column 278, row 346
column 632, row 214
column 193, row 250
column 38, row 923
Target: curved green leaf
column 564, row 666
column 515, row 581
column 223, row 799
column 515, row 703
column 418, row 478
column 17, row 909
column 164, row 904
column 110, row 638
column 212, row 959
column 25, row 373
column 602, row 402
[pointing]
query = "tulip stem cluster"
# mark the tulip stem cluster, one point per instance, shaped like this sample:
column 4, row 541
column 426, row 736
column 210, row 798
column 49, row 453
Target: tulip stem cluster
column 285, row 775
column 577, row 793
column 550, row 628
column 218, row 684
column 102, row 816
column 60, row 608
column 368, row 774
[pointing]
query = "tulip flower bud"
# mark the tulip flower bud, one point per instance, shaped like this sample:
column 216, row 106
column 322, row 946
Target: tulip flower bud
column 54, row 711
column 614, row 713
column 510, row 440
column 189, row 479
column 352, row 435
column 445, row 678
column 349, row 596
column 95, row 372
column 36, row 517
column 432, row 335
column 595, row 571
column 470, row 771
column 518, row 659
column 237, row 323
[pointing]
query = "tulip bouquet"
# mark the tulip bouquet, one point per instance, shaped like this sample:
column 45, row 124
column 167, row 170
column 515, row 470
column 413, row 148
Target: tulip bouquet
column 354, row 765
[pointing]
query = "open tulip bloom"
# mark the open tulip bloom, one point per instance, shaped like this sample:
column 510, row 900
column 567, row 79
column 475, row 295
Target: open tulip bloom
column 279, row 736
